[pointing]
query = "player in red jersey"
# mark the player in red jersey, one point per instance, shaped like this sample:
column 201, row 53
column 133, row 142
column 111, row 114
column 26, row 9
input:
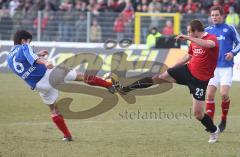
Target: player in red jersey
column 194, row 71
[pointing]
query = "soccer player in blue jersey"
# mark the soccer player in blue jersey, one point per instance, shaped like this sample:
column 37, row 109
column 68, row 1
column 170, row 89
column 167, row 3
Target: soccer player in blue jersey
column 229, row 46
column 35, row 71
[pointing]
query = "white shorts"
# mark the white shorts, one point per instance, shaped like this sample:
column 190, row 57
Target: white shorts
column 222, row 76
column 49, row 94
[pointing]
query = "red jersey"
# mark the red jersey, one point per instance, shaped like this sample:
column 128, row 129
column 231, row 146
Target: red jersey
column 204, row 60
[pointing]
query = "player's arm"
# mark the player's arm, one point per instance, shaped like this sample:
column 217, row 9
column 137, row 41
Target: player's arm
column 32, row 58
column 183, row 60
column 41, row 59
column 48, row 64
column 200, row 42
column 42, row 53
column 236, row 39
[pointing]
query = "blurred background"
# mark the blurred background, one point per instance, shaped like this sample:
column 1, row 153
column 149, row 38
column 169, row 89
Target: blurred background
column 99, row 20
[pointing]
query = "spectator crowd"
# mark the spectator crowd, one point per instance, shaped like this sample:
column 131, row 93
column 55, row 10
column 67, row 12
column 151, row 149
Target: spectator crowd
column 67, row 20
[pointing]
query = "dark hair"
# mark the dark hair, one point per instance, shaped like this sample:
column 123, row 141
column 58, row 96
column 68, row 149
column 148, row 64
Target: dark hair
column 196, row 25
column 220, row 9
column 21, row 34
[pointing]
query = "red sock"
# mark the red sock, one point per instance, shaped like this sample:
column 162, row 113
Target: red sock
column 210, row 108
column 225, row 108
column 96, row 81
column 59, row 121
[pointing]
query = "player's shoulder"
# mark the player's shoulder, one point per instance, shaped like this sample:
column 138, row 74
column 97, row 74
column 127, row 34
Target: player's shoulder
column 230, row 28
column 27, row 49
column 228, row 25
column 209, row 28
column 24, row 46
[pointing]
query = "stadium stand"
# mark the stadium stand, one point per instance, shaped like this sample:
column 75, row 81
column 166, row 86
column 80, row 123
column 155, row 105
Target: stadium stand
column 71, row 20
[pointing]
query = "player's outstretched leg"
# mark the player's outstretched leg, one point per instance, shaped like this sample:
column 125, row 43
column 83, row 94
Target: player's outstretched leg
column 97, row 81
column 93, row 81
column 148, row 82
column 60, row 123
column 143, row 83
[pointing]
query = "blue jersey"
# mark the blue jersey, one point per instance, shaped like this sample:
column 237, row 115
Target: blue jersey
column 22, row 61
column 229, row 41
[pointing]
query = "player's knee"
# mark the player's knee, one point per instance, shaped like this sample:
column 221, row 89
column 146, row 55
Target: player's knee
column 156, row 78
column 80, row 76
column 210, row 96
column 53, row 108
column 160, row 78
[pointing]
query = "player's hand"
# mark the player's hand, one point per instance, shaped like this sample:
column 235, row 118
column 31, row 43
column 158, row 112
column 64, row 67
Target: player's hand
column 229, row 56
column 181, row 37
column 42, row 53
column 49, row 65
